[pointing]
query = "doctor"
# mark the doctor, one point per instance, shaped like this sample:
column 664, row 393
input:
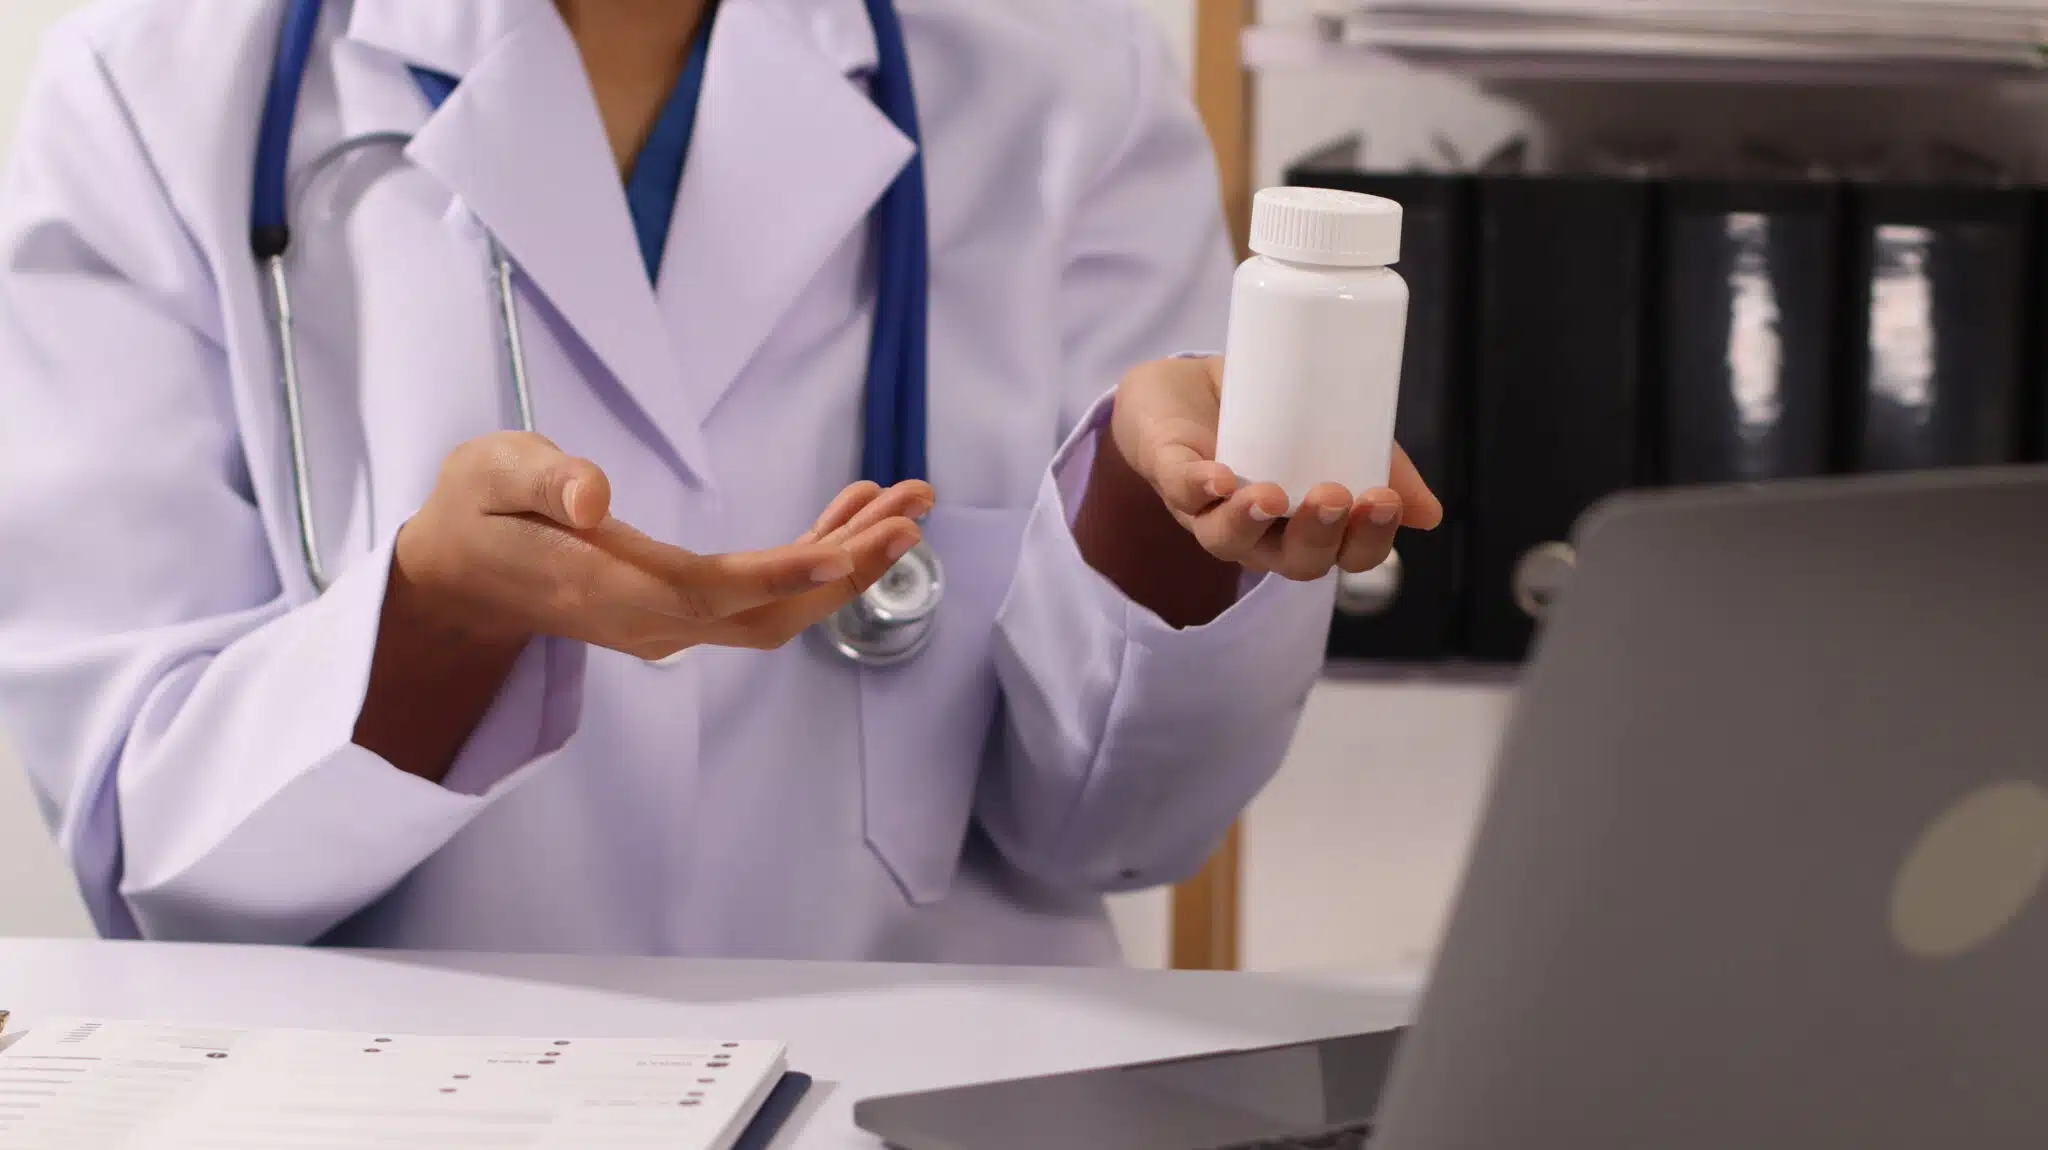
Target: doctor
column 304, row 638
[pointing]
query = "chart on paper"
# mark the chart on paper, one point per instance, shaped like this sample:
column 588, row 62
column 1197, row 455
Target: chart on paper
column 79, row 1084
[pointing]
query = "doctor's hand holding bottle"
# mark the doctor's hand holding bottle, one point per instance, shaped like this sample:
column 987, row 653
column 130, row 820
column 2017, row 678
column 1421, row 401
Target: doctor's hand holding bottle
column 1175, row 530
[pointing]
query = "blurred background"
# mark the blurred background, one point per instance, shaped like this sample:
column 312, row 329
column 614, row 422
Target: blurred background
column 1651, row 242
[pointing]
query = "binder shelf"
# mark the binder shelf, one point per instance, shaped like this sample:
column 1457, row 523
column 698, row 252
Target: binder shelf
column 1577, row 336
column 1269, row 47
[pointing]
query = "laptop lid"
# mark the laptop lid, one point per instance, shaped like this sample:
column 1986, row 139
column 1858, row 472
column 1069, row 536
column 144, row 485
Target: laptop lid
column 1761, row 863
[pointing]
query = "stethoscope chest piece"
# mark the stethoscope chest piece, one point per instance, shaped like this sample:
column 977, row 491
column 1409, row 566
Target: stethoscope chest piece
column 893, row 619
column 1363, row 594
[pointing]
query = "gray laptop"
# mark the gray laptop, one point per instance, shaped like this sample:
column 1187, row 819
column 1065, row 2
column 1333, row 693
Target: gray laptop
column 1762, row 866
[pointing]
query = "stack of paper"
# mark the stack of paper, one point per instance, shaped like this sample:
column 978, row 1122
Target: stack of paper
column 85, row 1085
column 1944, row 34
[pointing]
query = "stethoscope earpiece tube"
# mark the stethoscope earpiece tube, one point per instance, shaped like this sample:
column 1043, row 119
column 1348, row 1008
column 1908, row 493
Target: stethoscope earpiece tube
column 892, row 620
column 295, row 418
column 508, row 326
column 269, row 230
column 889, row 622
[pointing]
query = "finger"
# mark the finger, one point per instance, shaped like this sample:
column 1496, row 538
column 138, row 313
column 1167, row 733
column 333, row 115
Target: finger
column 650, row 575
column 1421, row 508
column 1308, row 545
column 1188, row 482
column 720, row 586
column 843, row 507
column 526, row 474
column 910, row 499
column 875, row 551
column 1369, row 536
column 1231, row 530
column 654, row 648
column 602, row 586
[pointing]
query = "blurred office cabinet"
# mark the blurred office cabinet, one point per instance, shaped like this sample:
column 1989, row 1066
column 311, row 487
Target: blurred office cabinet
column 2035, row 447
column 1939, row 295
column 1748, row 329
column 1408, row 609
column 1564, row 267
column 1573, row 336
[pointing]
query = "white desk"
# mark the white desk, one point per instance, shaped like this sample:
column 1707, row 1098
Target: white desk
column 858, row 1029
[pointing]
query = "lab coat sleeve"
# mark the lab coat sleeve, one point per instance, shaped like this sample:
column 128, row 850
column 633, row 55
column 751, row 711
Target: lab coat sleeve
column 186, row 729
column 1128, row 747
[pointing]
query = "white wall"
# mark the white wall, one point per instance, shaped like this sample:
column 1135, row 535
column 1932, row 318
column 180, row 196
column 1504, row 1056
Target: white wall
column 37, row 896
column 36, row 893
column 22, row 23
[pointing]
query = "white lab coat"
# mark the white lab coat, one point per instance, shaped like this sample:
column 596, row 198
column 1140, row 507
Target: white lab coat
column 184, row 702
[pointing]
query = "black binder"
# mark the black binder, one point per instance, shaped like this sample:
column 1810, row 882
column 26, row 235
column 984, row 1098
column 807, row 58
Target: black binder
column 1937, row 326
column 2035, row 448
column 1421, row 619
column 782, row 1101
column 1565, row 272
column 1748, row 330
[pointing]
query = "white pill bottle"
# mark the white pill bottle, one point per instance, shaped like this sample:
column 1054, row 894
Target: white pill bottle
column 1312, row 366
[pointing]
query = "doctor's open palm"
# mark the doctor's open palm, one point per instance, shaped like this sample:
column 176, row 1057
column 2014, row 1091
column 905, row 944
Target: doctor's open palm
column 517, row 540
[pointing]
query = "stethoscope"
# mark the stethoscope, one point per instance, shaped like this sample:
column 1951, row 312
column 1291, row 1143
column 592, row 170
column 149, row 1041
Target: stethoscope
column 887, row 624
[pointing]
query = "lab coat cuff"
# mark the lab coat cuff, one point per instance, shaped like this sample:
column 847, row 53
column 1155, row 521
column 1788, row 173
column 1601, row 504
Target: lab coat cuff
column 532, row 717
column 309, row 826
column 1138, row 742
column 1264, row 600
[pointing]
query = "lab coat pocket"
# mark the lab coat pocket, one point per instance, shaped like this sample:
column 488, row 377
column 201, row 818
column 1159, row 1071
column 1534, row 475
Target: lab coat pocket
column 925, row 722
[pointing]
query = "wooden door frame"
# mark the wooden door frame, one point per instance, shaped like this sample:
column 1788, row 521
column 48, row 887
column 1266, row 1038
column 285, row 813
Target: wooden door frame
column 1206, row 914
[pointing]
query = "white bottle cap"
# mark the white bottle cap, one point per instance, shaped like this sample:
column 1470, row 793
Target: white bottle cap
column 1326, row 227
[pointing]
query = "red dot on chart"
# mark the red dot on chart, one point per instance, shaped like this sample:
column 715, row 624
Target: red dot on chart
column 561, row 1042
column 462, row 1076
column 545, row 1062
column 687, row 1102
column 447, row 1090
column 707, row 1081
column 369, row 1050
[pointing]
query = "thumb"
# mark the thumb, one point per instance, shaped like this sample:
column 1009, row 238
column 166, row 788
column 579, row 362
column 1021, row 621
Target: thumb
column 529, row 475
column 577, row 493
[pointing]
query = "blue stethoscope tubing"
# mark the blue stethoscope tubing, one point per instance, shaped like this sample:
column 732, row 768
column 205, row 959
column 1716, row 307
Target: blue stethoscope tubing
column 894, row 619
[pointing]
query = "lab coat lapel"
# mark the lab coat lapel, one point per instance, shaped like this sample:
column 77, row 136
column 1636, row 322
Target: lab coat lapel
column 521, row 143
column 787, row 157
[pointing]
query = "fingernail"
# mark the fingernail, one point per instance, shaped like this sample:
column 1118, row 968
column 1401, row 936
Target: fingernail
column 1261, row 515
column 833, row 570
column 900, row 548
column 1384, row 513
column 1214, row 487
column 569, row 492
column 1330, row 515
